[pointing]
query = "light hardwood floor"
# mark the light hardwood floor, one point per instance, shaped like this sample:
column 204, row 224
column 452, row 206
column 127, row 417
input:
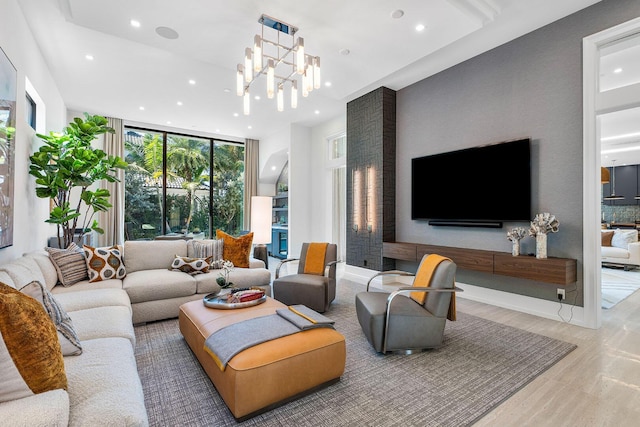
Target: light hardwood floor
column 597, row 384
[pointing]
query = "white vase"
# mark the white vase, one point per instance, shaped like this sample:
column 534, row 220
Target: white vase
column 515, row 248
column 541, row 246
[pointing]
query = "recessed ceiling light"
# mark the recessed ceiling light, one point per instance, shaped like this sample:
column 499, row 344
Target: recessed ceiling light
column 397, row 14
column 168, row 122
column 420, row 27
column 317, row 111
column 344, row 51
column 257, row 97
column 617, row 70
column 179, row 102
column 141, row 108
column 249, row 127
column 217, row 130
column 192, row 82
column 89, row 57
column 235, row 114
column 273, row 168
column 226, row 90
column 135, row 23
column 327, row 84
column 167, row 33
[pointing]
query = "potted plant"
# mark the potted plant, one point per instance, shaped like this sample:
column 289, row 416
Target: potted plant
column 68, row 163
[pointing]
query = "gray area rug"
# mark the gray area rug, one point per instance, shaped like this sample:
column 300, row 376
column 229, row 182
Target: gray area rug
column 480, row 364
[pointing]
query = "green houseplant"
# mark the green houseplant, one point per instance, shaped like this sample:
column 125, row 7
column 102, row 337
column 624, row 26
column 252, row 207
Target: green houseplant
column 67, row 163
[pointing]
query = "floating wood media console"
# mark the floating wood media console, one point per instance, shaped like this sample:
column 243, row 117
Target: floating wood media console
column 561, row 271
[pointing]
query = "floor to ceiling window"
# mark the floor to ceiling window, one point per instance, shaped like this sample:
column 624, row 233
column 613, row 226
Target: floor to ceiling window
column 182, row 185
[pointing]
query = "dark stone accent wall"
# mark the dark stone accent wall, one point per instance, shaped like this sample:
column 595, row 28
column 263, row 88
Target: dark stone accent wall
column 371, row 151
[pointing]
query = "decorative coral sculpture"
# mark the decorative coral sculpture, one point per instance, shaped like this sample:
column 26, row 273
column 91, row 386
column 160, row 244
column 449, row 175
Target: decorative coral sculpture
column 541, row 225
column 515, row 235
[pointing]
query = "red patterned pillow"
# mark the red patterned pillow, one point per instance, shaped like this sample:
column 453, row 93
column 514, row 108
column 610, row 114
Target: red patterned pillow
column 104, row 263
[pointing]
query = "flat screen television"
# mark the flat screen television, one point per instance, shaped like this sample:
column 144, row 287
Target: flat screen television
column 480, row 186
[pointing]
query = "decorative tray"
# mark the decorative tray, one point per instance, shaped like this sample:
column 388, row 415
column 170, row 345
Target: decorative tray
column 219, row 301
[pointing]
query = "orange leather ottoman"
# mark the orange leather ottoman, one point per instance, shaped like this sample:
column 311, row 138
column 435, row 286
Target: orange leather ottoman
column 268, row 374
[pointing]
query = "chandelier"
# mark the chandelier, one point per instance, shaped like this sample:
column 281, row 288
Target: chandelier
column 283, row 62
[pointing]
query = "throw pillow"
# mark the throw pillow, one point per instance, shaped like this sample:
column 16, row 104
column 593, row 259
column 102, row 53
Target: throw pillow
column 622, row 238
column 69, row 341
column 606, row 238
column 104, row 263
column 236, row 249
column 30, row 354
column 69, row 263
column 191, row 265
column 207, row 248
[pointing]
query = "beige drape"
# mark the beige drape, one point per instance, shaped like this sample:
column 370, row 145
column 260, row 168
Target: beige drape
column 251, row 172
column 112, row 221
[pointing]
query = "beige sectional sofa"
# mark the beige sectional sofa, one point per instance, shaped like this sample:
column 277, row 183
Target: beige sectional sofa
column 621, row 247
column 103, row 383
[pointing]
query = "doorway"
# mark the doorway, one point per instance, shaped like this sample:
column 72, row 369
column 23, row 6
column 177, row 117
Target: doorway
column 608, row 89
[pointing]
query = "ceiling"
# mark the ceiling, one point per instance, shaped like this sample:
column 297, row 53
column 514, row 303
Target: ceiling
column 136, row 67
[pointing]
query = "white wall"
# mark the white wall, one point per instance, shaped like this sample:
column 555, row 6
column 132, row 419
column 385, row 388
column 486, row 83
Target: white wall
column 321, row 186
column 29, row 229
column 300, row 190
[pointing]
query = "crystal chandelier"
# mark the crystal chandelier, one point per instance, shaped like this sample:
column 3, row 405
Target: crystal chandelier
column 283, row 63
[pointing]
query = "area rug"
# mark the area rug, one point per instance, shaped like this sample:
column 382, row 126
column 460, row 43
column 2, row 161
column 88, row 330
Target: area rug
column 480, row 364
column 618, row 285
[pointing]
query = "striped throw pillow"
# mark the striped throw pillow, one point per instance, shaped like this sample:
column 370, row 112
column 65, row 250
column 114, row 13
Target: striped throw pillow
column 69, row 341
column 206, row 248
column 69, row 263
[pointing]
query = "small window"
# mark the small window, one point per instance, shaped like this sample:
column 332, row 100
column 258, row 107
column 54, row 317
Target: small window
column 31, row 112
column 338, row 147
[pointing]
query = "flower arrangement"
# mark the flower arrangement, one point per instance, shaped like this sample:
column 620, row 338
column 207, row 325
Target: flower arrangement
column 223, row 276
column 515, row 235
column 541, row 225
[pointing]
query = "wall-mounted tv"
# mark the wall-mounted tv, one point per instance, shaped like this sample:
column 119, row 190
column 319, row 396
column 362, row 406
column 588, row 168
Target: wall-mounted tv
column 480, row 186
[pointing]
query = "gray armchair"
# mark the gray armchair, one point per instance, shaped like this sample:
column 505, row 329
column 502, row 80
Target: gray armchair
column 316, row 290
column 399, row 321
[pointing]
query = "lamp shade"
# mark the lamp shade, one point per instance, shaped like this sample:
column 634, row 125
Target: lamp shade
column 604, row 175
column 261, row 219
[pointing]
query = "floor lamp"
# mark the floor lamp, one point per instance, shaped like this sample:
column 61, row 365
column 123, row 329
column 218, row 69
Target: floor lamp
column 261, row 226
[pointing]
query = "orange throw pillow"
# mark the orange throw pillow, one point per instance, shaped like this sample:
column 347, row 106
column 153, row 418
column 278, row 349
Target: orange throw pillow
column 31, row 356
column 606, row 238
column 236, row 249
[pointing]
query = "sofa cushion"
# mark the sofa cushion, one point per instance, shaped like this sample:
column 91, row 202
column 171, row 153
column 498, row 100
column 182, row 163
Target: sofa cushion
column 30, row 358
column 236, row 249
column 104, row 385
column 613, row 252
column 104, row 322
column 207, row 283
column 622, row 238
column 607, row 235
column 86, row 285
column 74, row 301
column 69, row 264
column 23, row 271
column 152, row 254
column 69, row 342
column 150, row 285
column 191, row 266
column 6, row 279
column 104, row 263
column 29, row 410
column 207, row 248
column 46, row 267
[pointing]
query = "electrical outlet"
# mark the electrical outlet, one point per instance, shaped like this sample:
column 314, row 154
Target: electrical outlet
column 560, row 294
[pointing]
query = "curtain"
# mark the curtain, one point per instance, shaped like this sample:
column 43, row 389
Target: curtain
column 251, row 151
column 112, row 221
